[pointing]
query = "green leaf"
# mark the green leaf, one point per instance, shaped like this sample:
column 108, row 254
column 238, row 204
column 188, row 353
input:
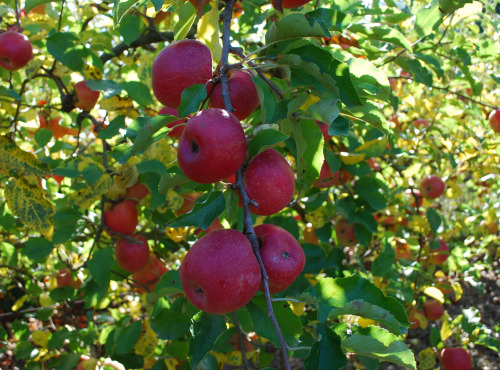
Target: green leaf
column 339, row 127
column 30, row 4
column 138, row 92
column 8, row 253
column 109, row 88
column 330, row 294
column 384, row 34
column 326, row 353
column 369, row 113
column 65, row 48
column 127, row 337
column 191, row 99
column 37, row 248
column 129, row 28
column 325, row 110
column 448, row 6
column 421, row 73
column 170, row 180
column 333, row 19
column 265, row 139
column 427, row 17
column 206, row 328
column 170, row 325
column 43, row 136
column 378, row 343
column 9, row 93
column 16, row 162
column 187, row 14
column 384, row 263
column 122, row 7
column 100, row 265
column 295, row 25
column 369, row 189
column 373, row 148
column 266, row 99
column 289, row 323
column 170, row 283
column 205, row 210
column 92, row 173
column 370, row 82
column 309, row 141
column 434, row 219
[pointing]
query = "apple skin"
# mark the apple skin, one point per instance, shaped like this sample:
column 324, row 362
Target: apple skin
column 212, row 147
column 439, row 256
column 433, row 310
column 132, row 257
column 137, row 192
column 220, row 273
column 455, row 358
column 242, row 93
column 432, row 187
column 123, row 217
column 179, row 65
column 324, row 130
column 64, row 278
column 177, row 131
column 345, row 233
column 15, row 50
column 421, row 123
column 188, row 203
column 150, row 275
column 290, row 4
column 270, row 181
column 495, row 120
column 86, row 98
column 327, row 178
column 282, row 256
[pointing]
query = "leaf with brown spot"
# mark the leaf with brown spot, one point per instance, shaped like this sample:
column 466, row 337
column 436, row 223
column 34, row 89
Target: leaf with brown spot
column 16, row 162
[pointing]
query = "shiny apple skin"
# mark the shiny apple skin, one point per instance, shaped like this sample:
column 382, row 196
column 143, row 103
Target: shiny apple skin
column 177, row 131
column 86, row 98
column 455, row 358
column 432, row 187
column 132, row 257
column 494, row 119
column 123, row 217
column 15, row 50
column 150, row 274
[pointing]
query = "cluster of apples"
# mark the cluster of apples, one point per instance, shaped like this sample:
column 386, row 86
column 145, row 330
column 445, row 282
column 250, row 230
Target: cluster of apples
column 220, row 272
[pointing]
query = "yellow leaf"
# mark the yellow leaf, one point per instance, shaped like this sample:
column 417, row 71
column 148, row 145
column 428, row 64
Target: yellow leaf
column 297, row 308
column 446, row 328
column 176, row 234
column 40, row 338
column 85, row 197
column 457, row 290
column 426, row 359
column 419, row 224
column 412, row 170
column 422, row 319
column 16, row 162
column 316, row 218
column 171, row 363
column 453, row 190
column 311, row 99
column 208, row 32
column 162, row 151
column 373, row 147
column 91, row 72
column 351, row 158
column 146, row 344
column 173, row 200
column 144, row 72
column 434, row 293
column 45, row 299
column 28, row 204
column 19, row 303
column 366, row 322
column 123, row 105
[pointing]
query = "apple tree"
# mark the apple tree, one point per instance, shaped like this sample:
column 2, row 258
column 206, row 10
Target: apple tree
column 212, row 184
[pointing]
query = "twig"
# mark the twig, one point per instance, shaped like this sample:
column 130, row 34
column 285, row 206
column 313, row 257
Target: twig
column 18, row 22
column 244, row 361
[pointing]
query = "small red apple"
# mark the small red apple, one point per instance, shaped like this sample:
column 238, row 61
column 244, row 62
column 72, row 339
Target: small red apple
column 64, row 278
column 393, row 84
column 86, row 98
column 345, row 233
column 15, row 50
column 150, row 275
column 290, row 4
column 122, row 218
column 220, row 273
column 212, row 147
column 242, row 93
column 137, row 192
column 189, row 199
column 327, row 178
column 440, row 255
column 269, row 180
column 433, row 310
column 421, row 123
column 176, row 131
column 455, row 358
column 432, row 187
column 132, row 257
column 413, row 317
column 495, row 120
column 179, row 65
column 324, row 127
column 282, row 256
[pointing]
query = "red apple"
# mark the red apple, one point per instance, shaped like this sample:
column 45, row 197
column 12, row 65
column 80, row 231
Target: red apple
column 177, row 131
column 421, row 123
column 282, row 256
column 324, row 127
column 440, row 255
column 327, row 179
column 132, row 257
column 433, row 310
column 393, row 84
column 122, row 218
column 432, row 187
column 495, row 120
column 269, row 180
column 455, row 358
column 86, row 98
column 220, row 273
column 15, row 50
column 212, row 147
column 180, row 65
column 345, row 233
column 309, row 235
column 137, row 192
column 150, row 275
column 413, row 317
column 188, row 203
column 242, row 93
column 64, row 278
column 289, row 4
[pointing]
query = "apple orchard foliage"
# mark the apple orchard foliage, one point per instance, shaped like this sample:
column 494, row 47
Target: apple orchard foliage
column 362, row 101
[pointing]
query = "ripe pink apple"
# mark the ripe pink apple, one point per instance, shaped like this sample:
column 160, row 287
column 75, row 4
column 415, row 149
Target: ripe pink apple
column 220, row 273
column 455, row 358
column 433, row 310
column 137, row 192
column 289, row 4
column 150, row 274
column 431, row 187
column 242, row 93
column 15, row 50
column 177, row 131
column 324, row 130
column 327, row 178
column 212, row 147
column 345, row 233
column 180, row 65
column 86, row 98
column 495, row 120
column 269, row 180
column 421, row 123
column 282, row 256
column 122, row 218
column 440, row 255
column 132, row 257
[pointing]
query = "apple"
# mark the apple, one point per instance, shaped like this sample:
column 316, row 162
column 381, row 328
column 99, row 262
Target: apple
column 440, row 255
column 179, row 65
column 415, row 316
column 495, row 120
column 199, row 5
column 324, row 127
column 432, row 187
column 212, row 147
column 176, row 131
column 220, row 273
column 421, row 123
column 289, row 4
column 86, row 98
column 327, row 178
column 433, row 310
column 132, row 257
column 122, row 218
column 393, row 84
column 15, row 50
column 189, row 199
column 64, row 278
column 282, row 256
column 269, row 180
column 242, row 93
column 345, row 233
column 137, row 192
column 455, row 358
column 308, row 235
column 150, row 274
column 57, row 130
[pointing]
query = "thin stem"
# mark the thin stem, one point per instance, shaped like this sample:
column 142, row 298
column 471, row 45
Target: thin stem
column 244, row 361
column 18, row 22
